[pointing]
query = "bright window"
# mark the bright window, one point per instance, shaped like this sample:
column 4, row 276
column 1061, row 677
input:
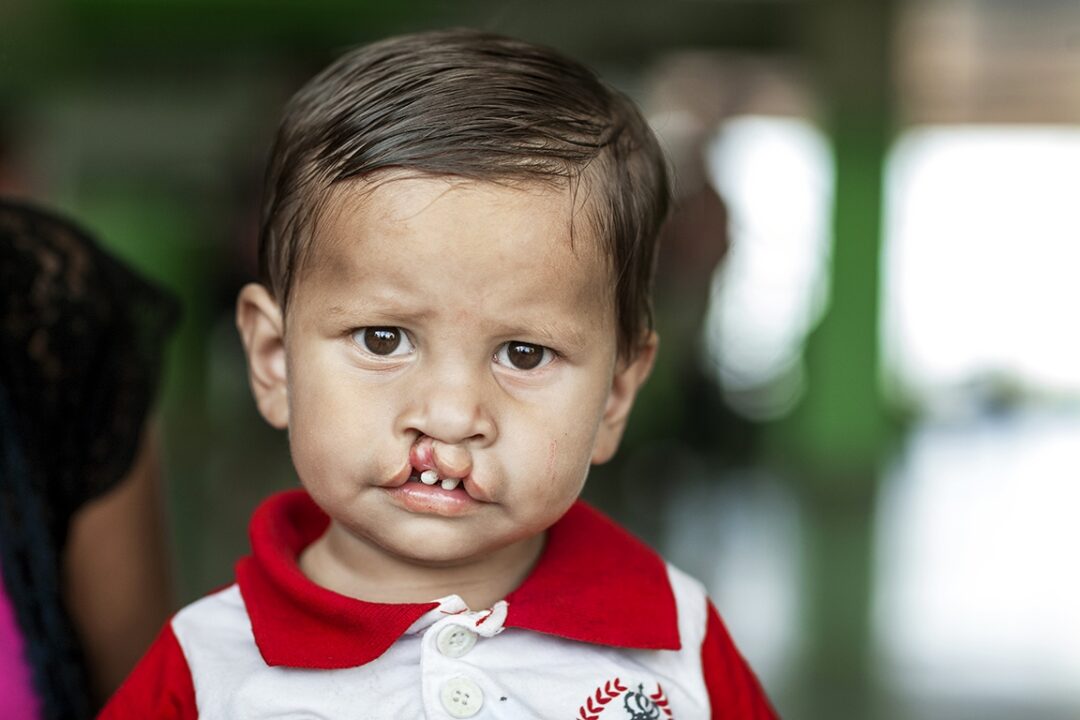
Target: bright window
column 776, row 176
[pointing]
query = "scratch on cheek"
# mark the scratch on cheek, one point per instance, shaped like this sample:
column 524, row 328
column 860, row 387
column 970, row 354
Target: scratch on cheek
column 552, row 446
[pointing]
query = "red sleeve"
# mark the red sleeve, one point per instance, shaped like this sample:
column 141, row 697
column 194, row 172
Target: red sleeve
column 734, row 691
column 159, row 687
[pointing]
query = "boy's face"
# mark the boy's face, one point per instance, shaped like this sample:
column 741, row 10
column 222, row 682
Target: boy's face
column 448, row 325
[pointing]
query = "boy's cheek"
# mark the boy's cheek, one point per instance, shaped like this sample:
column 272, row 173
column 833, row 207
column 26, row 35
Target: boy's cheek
column 328, row 463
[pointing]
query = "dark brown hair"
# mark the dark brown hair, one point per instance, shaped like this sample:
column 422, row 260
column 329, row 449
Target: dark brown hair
column 477, row 106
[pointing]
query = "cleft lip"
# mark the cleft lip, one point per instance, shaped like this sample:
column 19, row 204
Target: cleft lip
column 424, row 456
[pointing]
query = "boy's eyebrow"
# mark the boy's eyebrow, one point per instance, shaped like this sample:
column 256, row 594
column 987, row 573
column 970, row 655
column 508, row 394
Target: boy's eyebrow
column 336, row 311
column 559, row 335
column 373, row 308
column 339, row 310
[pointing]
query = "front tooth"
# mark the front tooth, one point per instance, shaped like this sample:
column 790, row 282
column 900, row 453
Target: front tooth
column 450, row 483
column 429, row 477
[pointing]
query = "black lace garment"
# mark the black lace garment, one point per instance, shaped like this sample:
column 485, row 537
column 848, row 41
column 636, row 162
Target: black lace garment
column 81, row 340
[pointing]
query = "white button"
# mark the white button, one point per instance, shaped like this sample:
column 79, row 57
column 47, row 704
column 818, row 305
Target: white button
column 455, row 640
column 461, row 697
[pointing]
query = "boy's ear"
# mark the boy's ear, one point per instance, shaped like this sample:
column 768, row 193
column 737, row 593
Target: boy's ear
column 262, row 330
column 629, row 377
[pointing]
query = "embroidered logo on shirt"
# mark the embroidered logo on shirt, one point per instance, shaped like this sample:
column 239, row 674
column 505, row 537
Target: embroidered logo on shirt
column 636, row 704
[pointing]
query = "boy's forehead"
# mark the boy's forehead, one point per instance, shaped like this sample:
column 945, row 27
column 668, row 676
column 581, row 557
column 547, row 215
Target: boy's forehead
column 412, row 253
column 436, row 244
column 381, row 211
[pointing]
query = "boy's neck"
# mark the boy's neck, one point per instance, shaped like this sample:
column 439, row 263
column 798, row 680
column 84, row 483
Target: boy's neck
column 349, row 566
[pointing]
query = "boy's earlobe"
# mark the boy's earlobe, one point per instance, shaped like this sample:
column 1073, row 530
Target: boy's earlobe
column 629, row 378
column 262, row 330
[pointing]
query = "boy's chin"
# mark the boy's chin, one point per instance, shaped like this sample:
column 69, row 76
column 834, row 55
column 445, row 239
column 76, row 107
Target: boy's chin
column 448, row 553
column 456, row 548
column 430, row 544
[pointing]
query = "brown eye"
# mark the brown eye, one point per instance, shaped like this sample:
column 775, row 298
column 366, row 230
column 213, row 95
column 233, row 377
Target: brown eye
column 386, row 341
column 523, row 356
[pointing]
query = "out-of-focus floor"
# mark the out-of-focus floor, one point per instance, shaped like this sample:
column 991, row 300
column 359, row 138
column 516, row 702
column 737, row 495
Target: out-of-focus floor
column 975, row 592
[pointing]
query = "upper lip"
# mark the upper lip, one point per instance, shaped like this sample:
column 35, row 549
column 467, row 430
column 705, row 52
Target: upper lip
column 473, row 490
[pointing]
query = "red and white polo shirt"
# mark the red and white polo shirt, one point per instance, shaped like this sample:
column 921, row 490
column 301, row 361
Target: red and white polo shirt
column 602, row 629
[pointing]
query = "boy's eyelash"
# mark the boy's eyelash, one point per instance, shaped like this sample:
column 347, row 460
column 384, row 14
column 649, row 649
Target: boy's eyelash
column 391, row 342
column 547, row 356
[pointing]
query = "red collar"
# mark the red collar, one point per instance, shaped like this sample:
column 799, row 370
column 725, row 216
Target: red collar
column 594, row 583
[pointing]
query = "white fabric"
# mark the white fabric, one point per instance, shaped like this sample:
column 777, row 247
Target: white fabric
column 515, row 674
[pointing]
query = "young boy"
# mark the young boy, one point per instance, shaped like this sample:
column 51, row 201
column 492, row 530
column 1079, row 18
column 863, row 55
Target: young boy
column 452, row 324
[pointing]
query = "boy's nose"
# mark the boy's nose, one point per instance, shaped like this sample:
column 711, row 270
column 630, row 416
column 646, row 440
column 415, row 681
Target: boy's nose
column 452, row 410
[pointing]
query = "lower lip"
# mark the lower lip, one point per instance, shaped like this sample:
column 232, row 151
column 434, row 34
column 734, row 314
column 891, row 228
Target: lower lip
column 416, row 497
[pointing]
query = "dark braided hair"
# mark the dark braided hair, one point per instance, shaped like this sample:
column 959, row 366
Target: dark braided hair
column 81, row 338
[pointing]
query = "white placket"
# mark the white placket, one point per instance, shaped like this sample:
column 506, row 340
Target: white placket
column 453, row 685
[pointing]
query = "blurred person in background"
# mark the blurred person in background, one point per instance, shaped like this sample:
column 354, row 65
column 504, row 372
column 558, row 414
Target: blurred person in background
column 82, row 553
column 685, row 425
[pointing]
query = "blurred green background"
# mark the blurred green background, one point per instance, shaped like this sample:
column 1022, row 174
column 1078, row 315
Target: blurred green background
column 864, row 430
